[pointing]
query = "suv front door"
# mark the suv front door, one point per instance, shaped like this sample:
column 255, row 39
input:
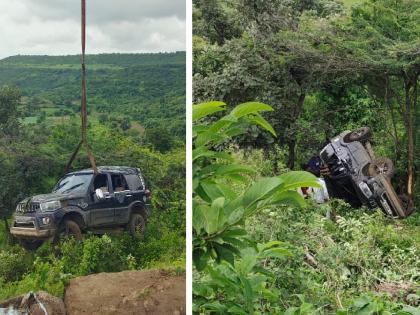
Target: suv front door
column 102, row 210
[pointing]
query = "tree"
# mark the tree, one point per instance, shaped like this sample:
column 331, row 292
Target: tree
column 384, row 34
column 160, row 138
column 9, row 102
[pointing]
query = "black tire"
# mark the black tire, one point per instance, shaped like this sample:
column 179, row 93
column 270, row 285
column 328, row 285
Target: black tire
column 362, row 134
column 31, row 245
column 68, row 229
column 382, row 165
column 137, row 225
column 407, row 204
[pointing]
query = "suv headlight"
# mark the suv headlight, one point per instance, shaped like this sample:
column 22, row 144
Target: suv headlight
column 50, row 205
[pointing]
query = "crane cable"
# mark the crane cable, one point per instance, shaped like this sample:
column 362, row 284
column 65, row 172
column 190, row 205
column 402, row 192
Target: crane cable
column 83, row 110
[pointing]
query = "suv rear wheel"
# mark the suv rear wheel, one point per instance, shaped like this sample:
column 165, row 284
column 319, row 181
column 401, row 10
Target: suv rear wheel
column 361, row 134
column 382, row 165
column 137, row 224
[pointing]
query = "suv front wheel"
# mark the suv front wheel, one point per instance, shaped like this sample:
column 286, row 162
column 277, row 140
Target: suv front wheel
column 68, row 229
column 137, row 224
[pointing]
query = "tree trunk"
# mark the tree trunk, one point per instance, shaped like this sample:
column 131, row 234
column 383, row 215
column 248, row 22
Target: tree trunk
column 410, row 137
column 416, row 111
column 6, row 227
column 291, row 158
column 292, row 142
column 397, row 145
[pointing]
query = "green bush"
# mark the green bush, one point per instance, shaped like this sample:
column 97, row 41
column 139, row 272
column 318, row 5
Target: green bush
column 14, row 263
column 230, row 275
column 49, row 269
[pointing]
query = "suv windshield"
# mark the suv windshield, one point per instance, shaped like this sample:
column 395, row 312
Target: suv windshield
column 73, row 183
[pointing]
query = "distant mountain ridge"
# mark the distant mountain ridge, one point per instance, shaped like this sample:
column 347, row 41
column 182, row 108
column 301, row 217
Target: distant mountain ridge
column 112, row 58
column 148, row 89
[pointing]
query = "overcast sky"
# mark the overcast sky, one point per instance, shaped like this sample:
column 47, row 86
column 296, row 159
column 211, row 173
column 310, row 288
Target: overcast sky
column 52, row 27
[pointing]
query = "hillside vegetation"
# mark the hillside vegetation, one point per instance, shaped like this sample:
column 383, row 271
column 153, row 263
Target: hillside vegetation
column 126, row 90
column 137, row 105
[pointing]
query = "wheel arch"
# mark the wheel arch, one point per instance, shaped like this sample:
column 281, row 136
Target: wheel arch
column 138, row 207
column 75, row 216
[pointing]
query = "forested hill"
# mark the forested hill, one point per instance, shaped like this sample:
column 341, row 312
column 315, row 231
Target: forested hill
column 128, row 90
column 112, row 59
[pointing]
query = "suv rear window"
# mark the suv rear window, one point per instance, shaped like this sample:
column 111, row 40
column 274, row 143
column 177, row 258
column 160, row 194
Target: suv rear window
column 134, row 182
column 118, row 182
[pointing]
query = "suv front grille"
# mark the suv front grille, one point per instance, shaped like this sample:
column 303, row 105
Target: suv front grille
column 28, row 225
column 26, row 208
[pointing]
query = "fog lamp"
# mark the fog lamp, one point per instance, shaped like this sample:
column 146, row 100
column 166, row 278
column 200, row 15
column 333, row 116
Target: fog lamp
column 46, row 220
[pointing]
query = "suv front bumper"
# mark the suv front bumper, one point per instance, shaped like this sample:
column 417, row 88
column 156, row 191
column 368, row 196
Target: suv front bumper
column 21, row 232
column 28, row 226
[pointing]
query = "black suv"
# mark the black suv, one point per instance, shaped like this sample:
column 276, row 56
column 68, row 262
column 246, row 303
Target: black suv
column 115, row 198
column 354, row 174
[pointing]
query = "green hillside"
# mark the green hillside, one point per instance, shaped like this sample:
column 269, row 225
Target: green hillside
column 349, row 3
column 136, row 104
column 128, row 90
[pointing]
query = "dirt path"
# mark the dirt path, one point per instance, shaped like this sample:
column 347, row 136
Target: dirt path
column 128, row 292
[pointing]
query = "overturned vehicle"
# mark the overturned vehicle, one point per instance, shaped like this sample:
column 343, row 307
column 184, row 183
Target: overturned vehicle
column 353, row 173
column 114, row 199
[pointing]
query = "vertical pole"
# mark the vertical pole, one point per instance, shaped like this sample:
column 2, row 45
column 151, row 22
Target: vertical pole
column 83, row 111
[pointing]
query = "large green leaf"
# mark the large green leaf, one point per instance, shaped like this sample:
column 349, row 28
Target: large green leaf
column 296, row 179
column 204, row 152
column 200, row 258
column 208, row 137
column 205, row 109
column 248, row 293
column 249, row 108
column 247, row 262
column 199, row 220
column 214, row 217
column 411, row 310
column 260, row 190
column 225, row 169
column 259, row 120
column 225, row 252
column 208, row 190
column 290, row 197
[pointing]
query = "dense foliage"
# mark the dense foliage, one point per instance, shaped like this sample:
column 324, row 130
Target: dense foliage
column 260, row 249
column 50, row 269
column 322, row 66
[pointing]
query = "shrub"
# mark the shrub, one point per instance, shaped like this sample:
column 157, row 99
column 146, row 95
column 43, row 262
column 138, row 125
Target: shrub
column 14, row 263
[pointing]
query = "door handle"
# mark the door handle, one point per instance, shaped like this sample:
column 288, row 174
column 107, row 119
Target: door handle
column 108, row 197
column 129, row 195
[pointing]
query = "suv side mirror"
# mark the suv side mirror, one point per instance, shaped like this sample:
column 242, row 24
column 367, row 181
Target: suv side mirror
column 99, row 194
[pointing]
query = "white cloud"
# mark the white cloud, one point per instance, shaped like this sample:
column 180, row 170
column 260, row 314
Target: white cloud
column 52, row 27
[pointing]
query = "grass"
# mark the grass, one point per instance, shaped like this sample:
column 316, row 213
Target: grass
column 30, row 120
column 349, row 3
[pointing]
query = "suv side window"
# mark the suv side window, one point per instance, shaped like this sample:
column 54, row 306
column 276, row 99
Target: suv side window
column 118, row 183
column 134, row 182
column 101, row 182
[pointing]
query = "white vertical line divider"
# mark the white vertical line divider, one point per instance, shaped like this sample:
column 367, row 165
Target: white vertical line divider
column 189, row 264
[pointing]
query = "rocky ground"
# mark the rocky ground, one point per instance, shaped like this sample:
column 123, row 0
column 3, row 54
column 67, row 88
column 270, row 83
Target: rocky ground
column 129, row 292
